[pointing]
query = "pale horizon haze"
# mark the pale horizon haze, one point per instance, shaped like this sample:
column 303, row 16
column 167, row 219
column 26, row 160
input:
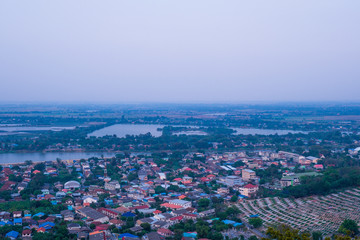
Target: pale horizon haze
column 179, row 51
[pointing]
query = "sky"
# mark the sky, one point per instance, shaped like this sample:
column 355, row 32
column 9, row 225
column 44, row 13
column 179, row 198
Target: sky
column 188, row 51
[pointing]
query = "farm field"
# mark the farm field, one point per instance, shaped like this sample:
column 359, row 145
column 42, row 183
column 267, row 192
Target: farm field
column 316, row 213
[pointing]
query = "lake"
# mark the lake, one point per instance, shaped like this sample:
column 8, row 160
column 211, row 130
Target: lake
column 49, row 156
column 18, row 129
column 121, row 130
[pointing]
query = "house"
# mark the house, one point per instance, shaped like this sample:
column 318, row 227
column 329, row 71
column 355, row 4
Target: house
column 294, row 179
column 222, row 190
column 249, row 190
column 26, row 233
column 149, row 220
column 111, row 213
column 12, row 234
column 181, row 203
column 113, row 185
column 41, row 230
column 17, row 221
column 128, row 236
column 190, row 216
column 97, row 235
column 91, row 213
column 47, row 225
column 73, row 227
column 152, row 236
column 60, row 195
column 17, row 214
column 165, row 232
column 116, row 222
column 319, row 166
column 87, row 200
column 207, row 213
column 67, row 215
column 72, row 185
column 248, row 175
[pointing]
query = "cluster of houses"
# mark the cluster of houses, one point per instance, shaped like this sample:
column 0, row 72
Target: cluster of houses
column 158, row 197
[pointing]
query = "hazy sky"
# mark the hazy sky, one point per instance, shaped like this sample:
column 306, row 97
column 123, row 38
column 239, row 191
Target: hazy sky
column 179, row 51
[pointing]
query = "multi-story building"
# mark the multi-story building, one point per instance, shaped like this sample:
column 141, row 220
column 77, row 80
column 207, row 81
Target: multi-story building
column 248, row 175
column 249, row 190
column 113, row 185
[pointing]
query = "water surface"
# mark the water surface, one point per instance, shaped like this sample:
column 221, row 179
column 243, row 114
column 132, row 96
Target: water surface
column 49, row 156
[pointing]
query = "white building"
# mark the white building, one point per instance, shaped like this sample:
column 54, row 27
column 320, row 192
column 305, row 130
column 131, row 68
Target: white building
column 113, row 185
column 72, row 185
column 231, row 181
column 182, row 203
column 162, row 176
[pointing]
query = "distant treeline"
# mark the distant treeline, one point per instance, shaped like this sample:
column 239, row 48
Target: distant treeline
column 332, row 180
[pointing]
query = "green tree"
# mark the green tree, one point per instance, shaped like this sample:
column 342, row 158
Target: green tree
column 349, row 227
column 316, row 235
column 159, row 189
column 146, row 226
column 204, row 202
column 256, row 222
column 234, row 198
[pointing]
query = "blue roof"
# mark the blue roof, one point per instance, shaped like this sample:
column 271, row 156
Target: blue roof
column 40, row 214
column 254, row 216
column 128, row 214
column 47, row 225
column 12, row 234
column 190, row 234
column 127, row 235
column 17, row 220
column 228, row 222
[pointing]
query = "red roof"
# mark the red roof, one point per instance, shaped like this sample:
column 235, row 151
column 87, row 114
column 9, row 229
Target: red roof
column 157, row 212
column 169, row 205
column 250, row 186
column 41, row 229
column 102, row 227
column 204, row 179
column 318, row 166
column 164, row 231
column 176, row 218
column 140, row 207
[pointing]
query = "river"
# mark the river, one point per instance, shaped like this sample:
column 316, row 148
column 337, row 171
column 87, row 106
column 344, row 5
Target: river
column 49, row 156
